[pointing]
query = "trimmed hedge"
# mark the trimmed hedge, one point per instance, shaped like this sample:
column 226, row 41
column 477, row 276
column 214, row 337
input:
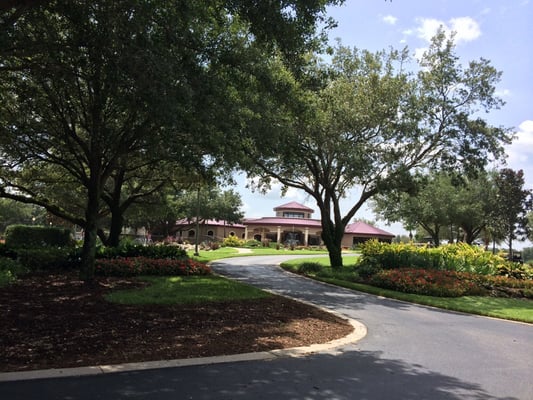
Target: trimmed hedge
column 47, row 258
column 24, row 236
column 139, row 250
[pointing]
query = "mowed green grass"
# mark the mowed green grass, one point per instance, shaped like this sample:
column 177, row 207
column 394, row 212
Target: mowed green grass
column 170, row 290
column 226, row 252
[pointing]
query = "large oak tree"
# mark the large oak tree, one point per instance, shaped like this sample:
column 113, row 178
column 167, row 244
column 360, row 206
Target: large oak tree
column 85, row 85
column 363, row 122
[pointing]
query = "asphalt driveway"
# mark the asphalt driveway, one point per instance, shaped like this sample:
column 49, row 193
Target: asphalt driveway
column 409, row 352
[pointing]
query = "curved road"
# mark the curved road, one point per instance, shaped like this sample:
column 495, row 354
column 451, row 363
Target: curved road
column 410, row 352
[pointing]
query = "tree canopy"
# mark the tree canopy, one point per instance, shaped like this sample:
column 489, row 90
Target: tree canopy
column 444, row 205
column 90, row 88
column 364, row 122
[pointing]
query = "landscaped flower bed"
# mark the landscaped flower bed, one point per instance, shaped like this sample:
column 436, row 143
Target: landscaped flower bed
column 133, row 266
column 450, row 270
column 427, row 282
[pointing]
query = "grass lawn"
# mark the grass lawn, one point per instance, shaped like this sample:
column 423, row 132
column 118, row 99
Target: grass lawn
column 169, row 290
column 506, row 308
column 226, row 252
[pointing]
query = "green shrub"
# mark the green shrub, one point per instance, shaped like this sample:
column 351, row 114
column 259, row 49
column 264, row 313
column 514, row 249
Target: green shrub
column 7, row 252
column 515, row 270
column 22, row 236
column 130, row 249
column 253, row 243
column 9, row 270
column 459, row 257
column 46, row 258
column 232, row 241
column 310, row 268
column 134, row 266
column 427, row 282
column 368, row 267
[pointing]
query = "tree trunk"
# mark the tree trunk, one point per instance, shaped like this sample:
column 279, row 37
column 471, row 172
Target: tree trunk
column 332, row 236
column 115, row 229
column 88, row 254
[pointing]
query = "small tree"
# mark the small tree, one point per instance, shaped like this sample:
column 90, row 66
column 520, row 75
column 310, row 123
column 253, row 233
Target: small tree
column 513, row 204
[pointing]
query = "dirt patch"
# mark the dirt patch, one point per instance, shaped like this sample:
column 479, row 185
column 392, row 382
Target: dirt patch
column 55, row 321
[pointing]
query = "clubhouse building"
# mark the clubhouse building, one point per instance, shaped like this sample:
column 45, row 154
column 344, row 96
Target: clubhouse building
column 292, row 225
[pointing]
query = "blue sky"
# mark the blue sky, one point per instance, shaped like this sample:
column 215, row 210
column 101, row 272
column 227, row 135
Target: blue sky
column 497, row 30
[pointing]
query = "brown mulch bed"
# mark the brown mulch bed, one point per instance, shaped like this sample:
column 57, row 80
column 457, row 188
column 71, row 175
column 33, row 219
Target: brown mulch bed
column 55, row 321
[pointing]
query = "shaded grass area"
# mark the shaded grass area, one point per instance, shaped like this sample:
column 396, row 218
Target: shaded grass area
column 498, row 307
column 170, row 290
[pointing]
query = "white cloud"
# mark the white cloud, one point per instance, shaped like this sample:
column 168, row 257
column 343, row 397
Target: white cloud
column 389, row 19
column 428, row 27
column 520, row 152
column 419, row 52
column 466, row 28
column 503, row 93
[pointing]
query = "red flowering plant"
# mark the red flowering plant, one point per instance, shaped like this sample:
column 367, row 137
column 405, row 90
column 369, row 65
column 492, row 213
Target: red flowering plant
column 133, row 266
column 427, row 282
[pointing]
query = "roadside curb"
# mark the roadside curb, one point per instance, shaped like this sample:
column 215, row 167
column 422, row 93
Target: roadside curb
column 358, row 333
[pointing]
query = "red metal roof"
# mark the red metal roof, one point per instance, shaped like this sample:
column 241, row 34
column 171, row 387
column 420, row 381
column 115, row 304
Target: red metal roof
column 212, row 222
column 293, row 205
column 362, row 228
column 282, row 221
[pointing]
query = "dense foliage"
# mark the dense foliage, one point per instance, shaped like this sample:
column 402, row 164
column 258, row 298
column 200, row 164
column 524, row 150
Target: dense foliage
column 23, row 236
column 97, row 95
column 459, row 257
column 134, row 266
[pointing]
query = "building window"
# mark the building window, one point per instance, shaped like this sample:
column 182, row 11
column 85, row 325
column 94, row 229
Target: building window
column 232, row 233
column 290, row 214
column 191, row 233
column 210, row 233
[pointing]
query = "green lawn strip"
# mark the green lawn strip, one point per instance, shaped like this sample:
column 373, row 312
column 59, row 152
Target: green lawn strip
column 226, row 252
column 293, row 264
column 168, row 290
column 506, row 308
column 206, row 256
column 499, row 307
column 268, row 251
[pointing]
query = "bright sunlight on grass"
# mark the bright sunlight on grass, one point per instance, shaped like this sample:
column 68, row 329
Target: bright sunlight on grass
column 225, row 252
column 186, row 289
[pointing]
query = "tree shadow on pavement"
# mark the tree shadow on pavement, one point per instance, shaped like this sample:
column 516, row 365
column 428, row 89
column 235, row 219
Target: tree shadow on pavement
column 352, row 375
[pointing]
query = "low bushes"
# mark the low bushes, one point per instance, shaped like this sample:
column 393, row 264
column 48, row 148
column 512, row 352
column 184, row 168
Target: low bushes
column 129, row 249
column 9, row 270
column 309, row 267
column 458, row 257
column 133, row 266
column 22, row 236
column 233, row 241
column 449, row 270
column 427, row 282
column 47, row 258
